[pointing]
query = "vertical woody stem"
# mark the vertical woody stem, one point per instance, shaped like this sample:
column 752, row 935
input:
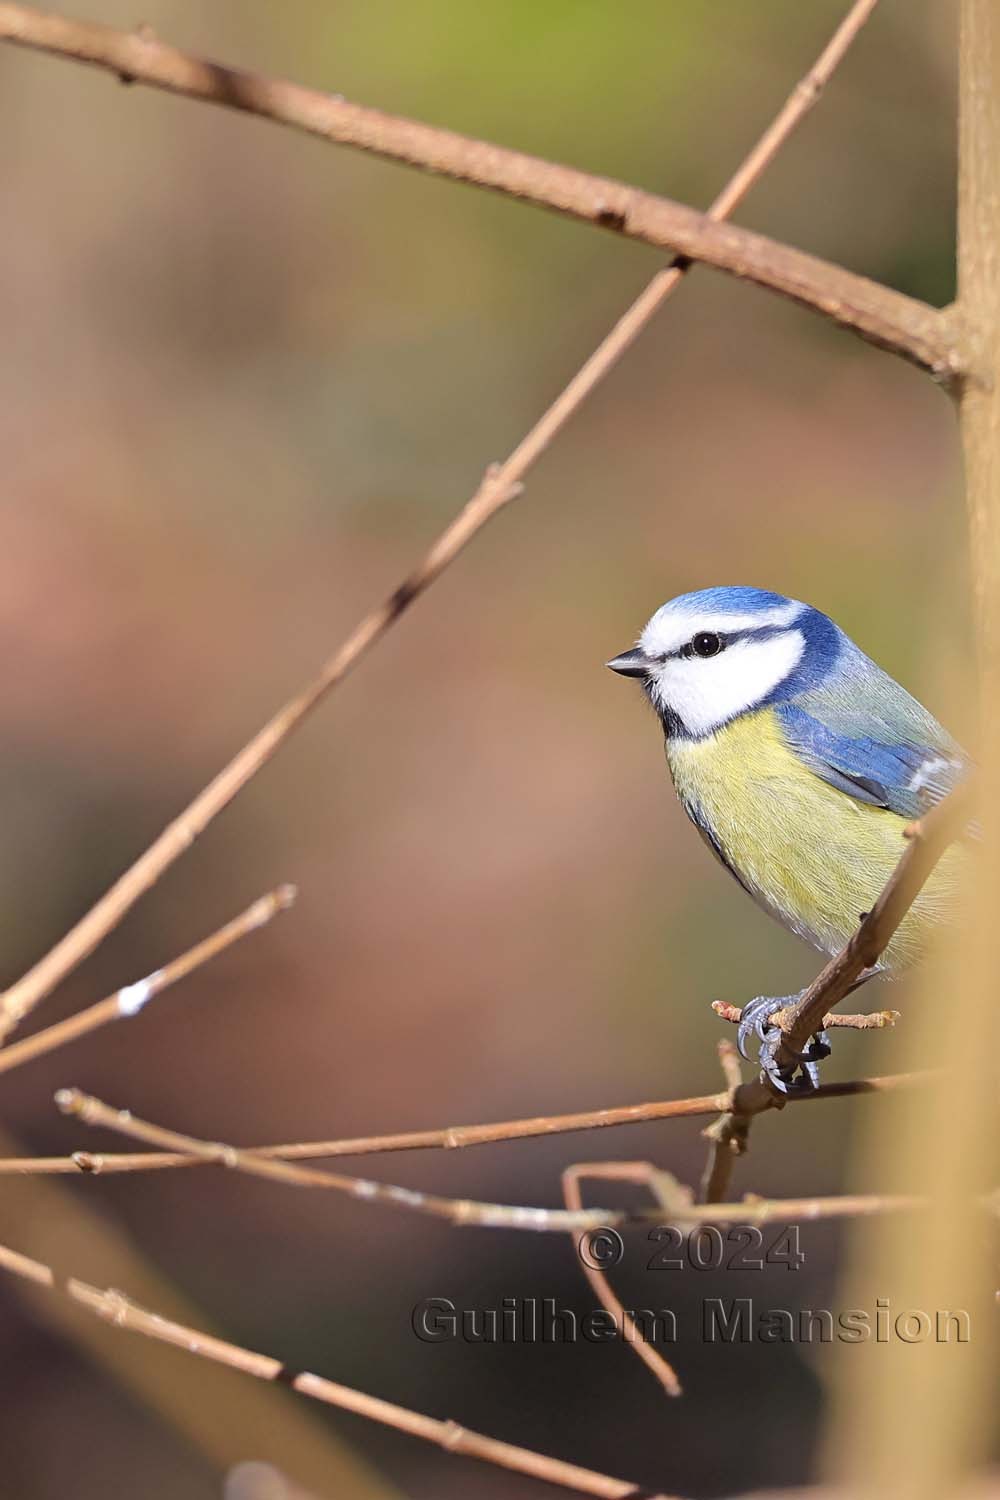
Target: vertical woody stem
column 979, row 307
column 914, row 1418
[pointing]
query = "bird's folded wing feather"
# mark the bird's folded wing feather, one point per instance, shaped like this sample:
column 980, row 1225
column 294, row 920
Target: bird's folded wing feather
column 905, row 775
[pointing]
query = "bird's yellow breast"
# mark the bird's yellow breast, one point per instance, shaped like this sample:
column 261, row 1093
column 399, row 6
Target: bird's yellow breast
column 815, row 856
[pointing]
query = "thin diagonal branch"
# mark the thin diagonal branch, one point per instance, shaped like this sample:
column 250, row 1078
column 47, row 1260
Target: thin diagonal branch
column 907, row 327
column 926, row 842
column 617, row 1171
column 499, row 486
column 132, row 998
column 449, row 1137
column 120, row 1312
column 468, row 1211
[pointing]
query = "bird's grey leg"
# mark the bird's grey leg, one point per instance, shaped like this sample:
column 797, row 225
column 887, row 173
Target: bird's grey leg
column 755, row 1017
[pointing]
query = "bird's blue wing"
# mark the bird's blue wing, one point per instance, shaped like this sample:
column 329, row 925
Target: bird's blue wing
column 907, row 775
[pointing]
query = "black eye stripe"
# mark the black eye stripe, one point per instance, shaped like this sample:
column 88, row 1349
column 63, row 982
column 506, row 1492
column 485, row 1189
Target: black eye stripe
column 727, row 638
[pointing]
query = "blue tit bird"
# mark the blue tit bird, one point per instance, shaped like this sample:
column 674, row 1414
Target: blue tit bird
column 800, row 762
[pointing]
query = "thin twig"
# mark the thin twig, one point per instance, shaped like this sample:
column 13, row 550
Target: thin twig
column 450, row 1137
column 885, row 317
column 727, row 1136
column 876, row 1020
column 499, row 486
column 467, row 1211
column 119, row 1311
column 132, row 998
column 616, row 1171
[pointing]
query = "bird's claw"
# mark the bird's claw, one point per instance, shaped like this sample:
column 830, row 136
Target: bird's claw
column 803, row 1073
column 754, row 1019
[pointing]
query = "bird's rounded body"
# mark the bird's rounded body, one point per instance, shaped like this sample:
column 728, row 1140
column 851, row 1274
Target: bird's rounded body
column 810, row 855
column 800, row 761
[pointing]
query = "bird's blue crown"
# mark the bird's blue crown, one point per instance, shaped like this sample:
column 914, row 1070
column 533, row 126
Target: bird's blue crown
column 759, row 614
column 729, row 599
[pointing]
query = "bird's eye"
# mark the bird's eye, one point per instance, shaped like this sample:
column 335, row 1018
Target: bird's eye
column 706, row 643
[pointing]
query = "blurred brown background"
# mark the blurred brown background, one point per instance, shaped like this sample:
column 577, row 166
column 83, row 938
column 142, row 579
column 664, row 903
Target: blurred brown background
column 245, row 378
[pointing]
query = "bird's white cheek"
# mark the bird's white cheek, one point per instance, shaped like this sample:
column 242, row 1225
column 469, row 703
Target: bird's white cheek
column 681, row 689
column 705, row 693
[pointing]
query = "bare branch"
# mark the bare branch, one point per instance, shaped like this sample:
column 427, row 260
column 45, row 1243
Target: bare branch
column 119, row 1311
column 467, row 1211
column 617, row 1171
column 500, row 485
column 901, row 324
column 132, row 998
column 927, row 841
column 876, row 1020
column 727, row 1136
column 450, row 1137
column 919, row 333
column 497, row 488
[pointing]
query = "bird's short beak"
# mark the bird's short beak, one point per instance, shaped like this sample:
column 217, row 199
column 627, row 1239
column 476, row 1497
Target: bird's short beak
column 630, row 663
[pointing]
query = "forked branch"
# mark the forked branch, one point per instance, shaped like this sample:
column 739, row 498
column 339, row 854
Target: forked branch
column 500, row 484
column 468, row 1211
column 901, row 324
column 920, row 333
column 620, row 1171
